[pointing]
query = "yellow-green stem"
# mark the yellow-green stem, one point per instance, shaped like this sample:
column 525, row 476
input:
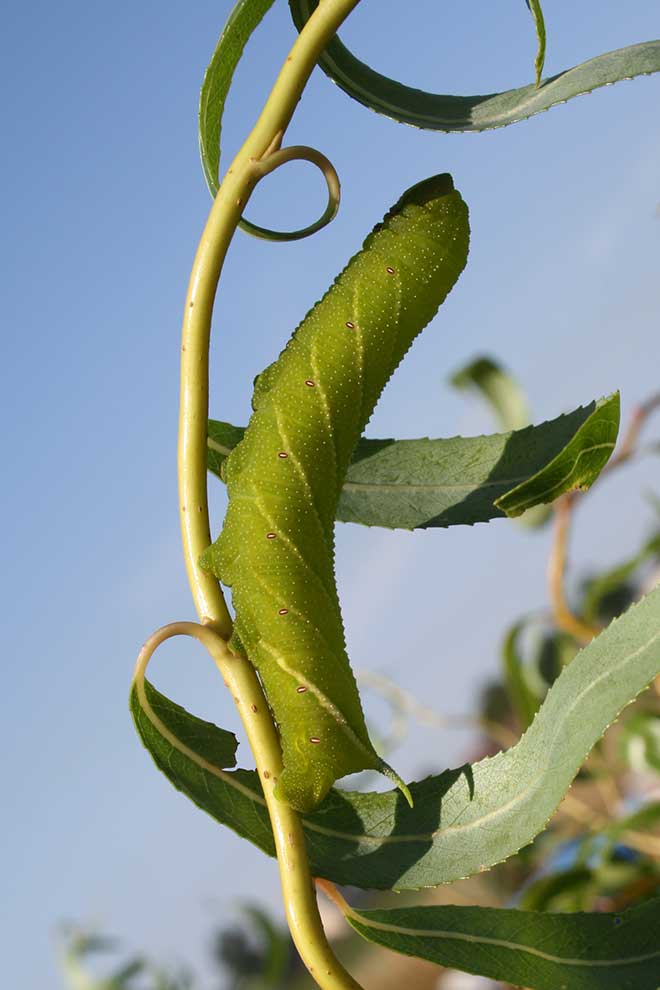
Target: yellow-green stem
column 239, row 675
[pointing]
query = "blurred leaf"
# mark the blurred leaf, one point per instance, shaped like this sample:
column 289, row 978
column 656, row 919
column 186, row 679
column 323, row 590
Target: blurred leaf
column 566, row 890
column 122, row 976
column 463, row 821
column 529, row 949
column 640, row 741
column 644, row 819
column 603, row 594
column 527, row 681
column 436, row 111
column 277, row 947
column 653, row 500
column 495, row 703
column 508, row 403
column 89, row 943
column 260, row 955
column 410, row 484
column 555, row 651
column 79, row 947
column 236, row 953
column 242, row 21
column 499, row 388
column 524, row 700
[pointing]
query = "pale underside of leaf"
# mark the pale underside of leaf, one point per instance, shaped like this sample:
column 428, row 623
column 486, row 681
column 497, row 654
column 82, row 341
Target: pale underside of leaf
column 436, row 111
column 413, row 484
column 464, row 820
column 244, row 18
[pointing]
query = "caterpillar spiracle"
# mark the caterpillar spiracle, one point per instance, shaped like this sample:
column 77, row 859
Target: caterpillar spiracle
column 276, row 549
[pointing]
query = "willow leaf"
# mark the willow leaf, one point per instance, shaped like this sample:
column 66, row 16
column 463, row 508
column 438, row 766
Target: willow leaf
column 640, row 742
column 644, row 819
column 498, row 387
column 527, row 948
column 524, row 700
column 419, row 484
column 464, row 820
column 539, row 24
column 441, row 112
column 577, row 466
column 563, row 890
column 605, row 588
column 508, row 401
column 242, row 21
column 196, row 764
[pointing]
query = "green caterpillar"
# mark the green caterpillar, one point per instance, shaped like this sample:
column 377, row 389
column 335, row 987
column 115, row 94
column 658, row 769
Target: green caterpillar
column 276, row 549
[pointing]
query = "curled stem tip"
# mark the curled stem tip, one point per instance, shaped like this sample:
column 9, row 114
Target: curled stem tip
column 280, row 156
column 208, row 637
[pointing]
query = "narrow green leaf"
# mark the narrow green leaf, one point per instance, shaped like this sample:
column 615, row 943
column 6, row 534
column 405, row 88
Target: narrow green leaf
column 640, row 742
column 567, row 890
column 469, row 819
column 221, row 440
column 524, row 700
column 604, row 589
column 644, row 819
column 539, row 24
column 234, row 798
column 464, row 820
column 79, row 947
column 440, row 112
column 218, row 745
column 577, row 466
column 555, row 650
column 242, row 21
column 418, row 484
column 276, row 944
column 126, row 971
column 526, row 948
column 499, row 388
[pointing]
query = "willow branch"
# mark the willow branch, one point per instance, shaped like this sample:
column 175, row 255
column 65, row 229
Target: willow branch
column 561, row 612
column 238, row 673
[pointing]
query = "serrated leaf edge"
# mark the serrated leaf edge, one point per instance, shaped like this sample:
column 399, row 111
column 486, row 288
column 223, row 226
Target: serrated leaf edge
column 364, row 837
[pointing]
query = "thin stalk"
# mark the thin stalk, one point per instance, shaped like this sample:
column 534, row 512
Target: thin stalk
column 561, row 612
column 239, row 675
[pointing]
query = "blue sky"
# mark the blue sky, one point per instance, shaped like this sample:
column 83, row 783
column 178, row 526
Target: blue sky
column 104, row 200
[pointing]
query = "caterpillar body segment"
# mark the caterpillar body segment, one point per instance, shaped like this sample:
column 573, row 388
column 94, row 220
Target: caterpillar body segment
column 276, row 549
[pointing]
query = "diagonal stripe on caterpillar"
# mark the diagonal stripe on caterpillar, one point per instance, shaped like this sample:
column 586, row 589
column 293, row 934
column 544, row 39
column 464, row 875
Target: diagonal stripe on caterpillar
column 276, row 549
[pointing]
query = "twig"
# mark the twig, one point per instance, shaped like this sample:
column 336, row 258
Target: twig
column 629, row 442
column 561, row 613
column 239, row 182
column 404, row 702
